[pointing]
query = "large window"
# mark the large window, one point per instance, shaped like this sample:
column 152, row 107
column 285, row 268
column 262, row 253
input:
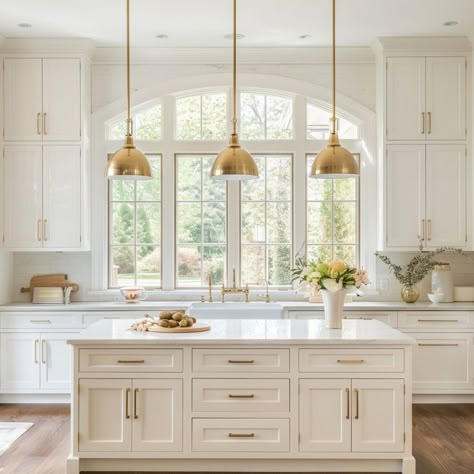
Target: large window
column 332, row 218
column 200, row 222
column 146, row 125
column 135, row 230
column 318, row 121
column 266, row 223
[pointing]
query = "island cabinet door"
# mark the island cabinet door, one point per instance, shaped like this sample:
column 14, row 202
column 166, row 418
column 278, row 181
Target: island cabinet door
column 377, row 415
column 157, row 415
column 105, row 415
column 325, row 415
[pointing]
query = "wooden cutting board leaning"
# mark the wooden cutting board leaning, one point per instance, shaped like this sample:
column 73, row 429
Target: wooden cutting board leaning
column 52, row 280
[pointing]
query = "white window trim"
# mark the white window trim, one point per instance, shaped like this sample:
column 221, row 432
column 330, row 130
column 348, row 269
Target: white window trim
column 299, row 146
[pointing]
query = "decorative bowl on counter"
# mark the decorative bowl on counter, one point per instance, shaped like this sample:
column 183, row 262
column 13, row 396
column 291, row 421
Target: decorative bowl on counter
column 133, row 294
column 436, row 297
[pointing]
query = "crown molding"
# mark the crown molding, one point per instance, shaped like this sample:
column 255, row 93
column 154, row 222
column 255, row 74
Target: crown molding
column 224, row 55
column 422, row 45
column 46, row 46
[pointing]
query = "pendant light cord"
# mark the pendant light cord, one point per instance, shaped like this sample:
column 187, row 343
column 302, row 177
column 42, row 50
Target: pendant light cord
column 234, row 71
column 333, row 119
column 129, row 120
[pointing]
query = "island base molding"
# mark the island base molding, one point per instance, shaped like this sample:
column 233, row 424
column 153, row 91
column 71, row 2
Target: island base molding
column 405, row 465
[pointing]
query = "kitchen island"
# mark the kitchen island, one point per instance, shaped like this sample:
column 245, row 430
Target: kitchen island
column 254, row 396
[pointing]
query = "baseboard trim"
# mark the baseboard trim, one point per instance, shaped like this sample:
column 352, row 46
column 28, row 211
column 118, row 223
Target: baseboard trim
column 35, row 398
column 443, row 398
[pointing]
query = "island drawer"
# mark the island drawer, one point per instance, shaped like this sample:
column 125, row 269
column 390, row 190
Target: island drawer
column 241, row 435
column 241, row 360
column 351, row 360
column 241, row 395
column 130, row 360
column 435, row 319
column 40, row 321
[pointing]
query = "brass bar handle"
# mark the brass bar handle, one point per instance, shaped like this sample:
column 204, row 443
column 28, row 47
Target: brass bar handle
column 358, row 317
column 35, row 350
column 130, row 361
column 429, row 122
column 38, row 119
column 127, row 401
column 429, row 229
column 38, row 230
column 347, row 403
column 45, row 235
column 437, row 345
column 422, row 229
column 40, row 321
column 357, row 404
column 135, row 396
column 241, row 435
column 43, row 351
column 44, row 124
column 422, row 123
column 438, row 320
column 350, row 361
column 250, row 395
column 232, row 361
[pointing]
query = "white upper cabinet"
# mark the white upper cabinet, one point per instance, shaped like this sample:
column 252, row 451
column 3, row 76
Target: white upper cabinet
column 426, row 98
column 42, row 99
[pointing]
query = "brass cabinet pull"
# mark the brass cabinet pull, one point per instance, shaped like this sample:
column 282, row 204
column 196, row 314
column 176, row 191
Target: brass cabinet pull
column 241, row 435
column 358, row 317
column 127, row 397
column 357, row 404
column 45, row 223
column 35, row 350
column 422, row 229
column 231, row 361
column 429, row 229
column 250, row 395
column 347, row 403
column 350, row 361
column 40, row 321
column 44, row 124
column 429, row 122
column 437, row 344
column 43, row 351
column 438, row 320
column 38, row 131
column 38, row 230
column 130, row 361
column 135, row 396
column 422, row 123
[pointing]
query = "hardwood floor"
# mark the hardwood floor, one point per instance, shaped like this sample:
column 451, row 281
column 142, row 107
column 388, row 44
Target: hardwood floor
column 443, row 439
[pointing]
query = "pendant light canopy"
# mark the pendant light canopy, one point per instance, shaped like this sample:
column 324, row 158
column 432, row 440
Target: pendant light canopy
column 128, row 162
column 234, row 162
column 334, row 161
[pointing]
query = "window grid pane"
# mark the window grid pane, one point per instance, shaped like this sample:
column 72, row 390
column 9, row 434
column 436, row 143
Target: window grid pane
column 200, row 222
column 135, row 230
column 146, row 125
column 317, row 125
column 332, row 218
column 266, row 223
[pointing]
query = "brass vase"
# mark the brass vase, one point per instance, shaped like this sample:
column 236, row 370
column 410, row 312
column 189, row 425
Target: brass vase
column 410, row 293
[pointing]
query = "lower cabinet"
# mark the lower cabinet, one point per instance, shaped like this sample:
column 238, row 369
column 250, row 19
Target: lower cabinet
column 35, row 362
column 130, row 415
column 352, row 415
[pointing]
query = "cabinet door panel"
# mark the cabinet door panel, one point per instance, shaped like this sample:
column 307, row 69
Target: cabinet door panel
column 23, row 103
column 405, row 195
column 446, row 98
column 157, row 415
column 377, row 415
column 405, row 98
column 56, row 362
column 62, row 197
column 23, row 196
column 20, row 359
column 61, row 99
column 446, row 195
column 324, row 415
column 104, row 417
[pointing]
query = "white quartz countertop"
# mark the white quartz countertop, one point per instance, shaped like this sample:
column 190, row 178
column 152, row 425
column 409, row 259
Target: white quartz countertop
column 245, row 332
column 285, row 305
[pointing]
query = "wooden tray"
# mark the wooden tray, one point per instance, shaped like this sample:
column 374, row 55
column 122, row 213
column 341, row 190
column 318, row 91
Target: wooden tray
column 198, row 327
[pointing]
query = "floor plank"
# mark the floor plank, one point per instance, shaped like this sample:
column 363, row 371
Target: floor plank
column 443, row 439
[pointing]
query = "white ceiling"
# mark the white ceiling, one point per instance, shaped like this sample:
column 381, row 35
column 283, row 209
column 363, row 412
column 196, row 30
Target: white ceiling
column 265, row 23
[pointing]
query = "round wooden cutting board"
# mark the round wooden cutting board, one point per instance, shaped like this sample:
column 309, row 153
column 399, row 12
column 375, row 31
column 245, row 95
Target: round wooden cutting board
column 198, row 327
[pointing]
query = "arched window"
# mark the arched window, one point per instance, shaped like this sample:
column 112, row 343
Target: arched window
column 317, row 125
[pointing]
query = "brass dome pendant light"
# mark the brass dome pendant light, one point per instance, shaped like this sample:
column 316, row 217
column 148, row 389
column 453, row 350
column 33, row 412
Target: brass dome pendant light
column 234, row 162
column 334, row 161
column 128, row 162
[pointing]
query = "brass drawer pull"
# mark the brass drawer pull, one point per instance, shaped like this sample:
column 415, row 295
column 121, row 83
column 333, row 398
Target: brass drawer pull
column 241, row 435
column 438, row 320
column 127, row 396
column 250, row 395
column 350, row 361
column 358, row 317
column 130, row 361
column 40, row 321
column 357, row 403
column 38, row 116
column 45, row 235
column 135, row 396
column 231, row 361
column 44, row 124
column 437, row 345
column 422, row 123
column 35, row 350
column 429, row 122
column 38, row 230
column 347, row 403
column 43, row 351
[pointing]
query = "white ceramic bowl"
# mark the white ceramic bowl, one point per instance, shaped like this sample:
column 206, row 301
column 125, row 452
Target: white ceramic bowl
column 436, row 297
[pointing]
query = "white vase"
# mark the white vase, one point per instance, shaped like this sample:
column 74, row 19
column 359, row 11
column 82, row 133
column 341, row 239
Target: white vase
column 333, row 307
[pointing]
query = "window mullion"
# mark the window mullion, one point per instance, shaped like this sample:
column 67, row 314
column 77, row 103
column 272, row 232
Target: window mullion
column 233, row 231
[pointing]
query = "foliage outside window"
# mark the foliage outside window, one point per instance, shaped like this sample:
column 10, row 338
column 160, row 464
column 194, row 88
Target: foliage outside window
column 265, row 117
column 146, row 125
column 317, row 125
column 135, row 230
column 332, row 230
column 201, row 117
column 266, row 223
column 200, row 222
